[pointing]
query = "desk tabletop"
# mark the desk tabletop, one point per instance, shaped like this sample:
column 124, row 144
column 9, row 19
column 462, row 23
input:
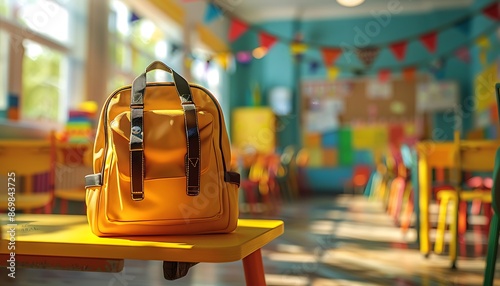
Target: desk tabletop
column 70, row 236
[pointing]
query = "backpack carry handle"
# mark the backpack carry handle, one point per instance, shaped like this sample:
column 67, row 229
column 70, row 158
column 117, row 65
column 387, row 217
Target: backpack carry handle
column 139, row 84
column 193, row 155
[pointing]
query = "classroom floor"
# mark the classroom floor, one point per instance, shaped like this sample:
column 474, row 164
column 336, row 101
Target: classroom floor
column 330, row 241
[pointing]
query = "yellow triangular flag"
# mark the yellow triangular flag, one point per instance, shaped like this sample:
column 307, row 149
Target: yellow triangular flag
column 483, row 42
column 298, row 48
column 223, row 60
column 333, row 72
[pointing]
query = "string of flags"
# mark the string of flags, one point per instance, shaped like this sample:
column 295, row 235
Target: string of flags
column 366, row 55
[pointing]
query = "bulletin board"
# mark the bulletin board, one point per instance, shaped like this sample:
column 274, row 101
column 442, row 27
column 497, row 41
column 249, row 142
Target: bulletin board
column 350, row 122
column 357, row 101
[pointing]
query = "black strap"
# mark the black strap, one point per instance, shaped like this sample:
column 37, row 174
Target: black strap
column 232, row 177
column 193, row 155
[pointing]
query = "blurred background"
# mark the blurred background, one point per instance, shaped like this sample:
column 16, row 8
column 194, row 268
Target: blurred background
column 325, row 101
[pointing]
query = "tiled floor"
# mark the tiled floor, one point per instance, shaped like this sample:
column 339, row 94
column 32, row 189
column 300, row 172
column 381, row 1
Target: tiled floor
column 343, row 240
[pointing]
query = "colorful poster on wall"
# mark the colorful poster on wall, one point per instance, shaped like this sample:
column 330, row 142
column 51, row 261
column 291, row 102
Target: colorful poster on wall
column 376, row 89
column 254, row 127
column 324, row 116
column 436, row 96
column 346, row 152
column 370, row 137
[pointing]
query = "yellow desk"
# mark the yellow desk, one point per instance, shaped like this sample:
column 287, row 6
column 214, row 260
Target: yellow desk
column 66, row 242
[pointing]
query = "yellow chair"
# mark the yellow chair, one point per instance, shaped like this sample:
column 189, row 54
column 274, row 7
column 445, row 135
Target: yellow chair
column 20, row 162
column 73, row 162
column 470, row 156
column 431, row 155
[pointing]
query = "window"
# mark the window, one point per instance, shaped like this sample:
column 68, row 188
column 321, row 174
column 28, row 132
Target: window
column 43, row 91
column 136, row 42
column 52, row 38
column 45, row 17
column 4, row 59
column 4, row 8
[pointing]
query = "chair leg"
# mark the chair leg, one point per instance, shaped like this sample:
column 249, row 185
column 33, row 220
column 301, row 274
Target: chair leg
column 491, row 256
column 454, row 234
column 64, row 206
column 441, row 227
column 254, row 270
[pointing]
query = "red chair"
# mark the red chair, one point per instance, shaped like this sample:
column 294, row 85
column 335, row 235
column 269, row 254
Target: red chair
column 360, row 177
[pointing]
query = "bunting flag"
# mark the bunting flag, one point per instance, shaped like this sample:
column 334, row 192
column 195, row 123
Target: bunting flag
column 236, row 29
column 463, row 26
column 384, row 75
column 409, row 73
column 483, row 42
column 463, row 54
column 298, row 48
column 330, row 55
column 133, row 17
column 429, row 41
column 244, row 57
column 223, row 59
column 313, row 67
column 492, row 11
column 212, row 12
column 399, row 50
column 174, row 48
column 367, row 55
column 267, row 40
column 333, row 73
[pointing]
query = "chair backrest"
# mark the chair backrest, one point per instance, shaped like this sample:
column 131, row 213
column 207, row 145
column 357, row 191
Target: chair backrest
column 72, row 162
column 478, row 155
column 28, row 160
column 474, row 156
column 437, row 154
column 361, row 175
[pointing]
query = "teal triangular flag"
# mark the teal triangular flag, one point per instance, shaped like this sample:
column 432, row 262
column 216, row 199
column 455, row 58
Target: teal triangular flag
column 212, row 12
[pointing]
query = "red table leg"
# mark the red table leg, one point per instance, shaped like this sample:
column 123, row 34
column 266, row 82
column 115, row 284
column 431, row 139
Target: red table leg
column 254, row 270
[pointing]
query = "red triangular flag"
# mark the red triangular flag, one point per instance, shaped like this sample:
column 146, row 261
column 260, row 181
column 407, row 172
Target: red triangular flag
column 409, row 73
column 429, row 41
column 384, row 75
column 493, row 11
column 399, row 50
column 236, row 29
column 266, row 40
column 330, row 55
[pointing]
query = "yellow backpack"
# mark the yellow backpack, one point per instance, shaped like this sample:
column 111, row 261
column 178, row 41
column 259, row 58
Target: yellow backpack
column 161, row 162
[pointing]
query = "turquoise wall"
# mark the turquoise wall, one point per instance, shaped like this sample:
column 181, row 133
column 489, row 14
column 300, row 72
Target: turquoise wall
column 277, row 68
